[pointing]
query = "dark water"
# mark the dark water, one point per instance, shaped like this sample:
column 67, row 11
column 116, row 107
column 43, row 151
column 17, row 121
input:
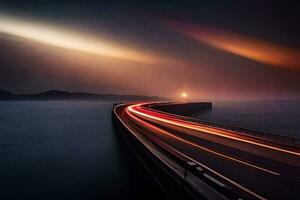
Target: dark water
column 64, row 150
column 275, row 116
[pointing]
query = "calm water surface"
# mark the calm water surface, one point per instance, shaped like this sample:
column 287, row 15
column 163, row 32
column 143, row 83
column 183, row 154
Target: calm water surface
column 275, row 116
column 69, row 150
column 64, row 150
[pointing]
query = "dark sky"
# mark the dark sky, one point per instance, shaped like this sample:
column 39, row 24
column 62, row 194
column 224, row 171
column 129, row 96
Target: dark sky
column 210, row 49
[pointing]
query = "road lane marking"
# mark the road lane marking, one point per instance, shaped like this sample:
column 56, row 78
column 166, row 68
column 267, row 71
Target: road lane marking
column 220, row 154
column 197, row 128
column 210, row 169
column 222, row 176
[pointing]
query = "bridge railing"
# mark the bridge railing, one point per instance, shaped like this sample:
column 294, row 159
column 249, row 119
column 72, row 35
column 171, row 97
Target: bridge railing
column 269, row 136
column 188, row 168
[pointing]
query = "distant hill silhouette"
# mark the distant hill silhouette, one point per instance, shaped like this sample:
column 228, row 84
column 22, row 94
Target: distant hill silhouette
column 4, row 94
column 64, row 95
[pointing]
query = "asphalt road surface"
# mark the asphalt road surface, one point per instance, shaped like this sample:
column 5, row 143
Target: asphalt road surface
column 255, row 168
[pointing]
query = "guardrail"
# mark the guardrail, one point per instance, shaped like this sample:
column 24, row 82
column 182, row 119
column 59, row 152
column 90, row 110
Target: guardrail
column 190, row 169
column 269, row 136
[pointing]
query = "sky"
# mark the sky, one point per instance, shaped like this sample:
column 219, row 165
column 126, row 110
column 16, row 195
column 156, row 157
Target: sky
column 207, row 49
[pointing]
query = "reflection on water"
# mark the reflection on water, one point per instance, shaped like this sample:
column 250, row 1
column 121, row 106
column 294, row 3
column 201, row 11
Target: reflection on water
column 274, row 116
column 65, row 150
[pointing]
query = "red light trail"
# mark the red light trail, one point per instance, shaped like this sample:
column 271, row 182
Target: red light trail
column 236, row 158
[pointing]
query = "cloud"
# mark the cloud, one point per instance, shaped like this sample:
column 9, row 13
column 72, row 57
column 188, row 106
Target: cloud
column 59, row 37
column 238, row 44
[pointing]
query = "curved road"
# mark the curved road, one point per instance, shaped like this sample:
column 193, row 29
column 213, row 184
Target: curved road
column 254, row 168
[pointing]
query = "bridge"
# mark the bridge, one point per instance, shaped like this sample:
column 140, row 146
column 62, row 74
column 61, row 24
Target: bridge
column 210, row 161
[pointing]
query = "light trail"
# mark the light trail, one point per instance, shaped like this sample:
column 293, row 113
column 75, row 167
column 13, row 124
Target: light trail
column 135, row 109
column 201, row 164
column 247, row 166
column 219, row 154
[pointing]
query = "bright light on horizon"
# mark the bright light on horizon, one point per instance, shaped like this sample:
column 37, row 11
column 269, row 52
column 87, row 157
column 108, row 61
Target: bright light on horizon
column 184, row 95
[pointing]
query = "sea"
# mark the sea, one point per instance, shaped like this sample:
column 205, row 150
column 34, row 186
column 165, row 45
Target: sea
column 66, row 150
column 280, row 117
column 70, row 150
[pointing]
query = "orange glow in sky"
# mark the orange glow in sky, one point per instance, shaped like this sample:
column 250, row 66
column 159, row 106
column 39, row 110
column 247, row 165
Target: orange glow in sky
column 70, row 40
column 251, row 48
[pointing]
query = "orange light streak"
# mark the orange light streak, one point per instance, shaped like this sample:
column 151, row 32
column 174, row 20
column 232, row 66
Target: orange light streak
column 62, row 38
column 205, row 166
column 245, row 46
column 209, row 150
column 213, row 131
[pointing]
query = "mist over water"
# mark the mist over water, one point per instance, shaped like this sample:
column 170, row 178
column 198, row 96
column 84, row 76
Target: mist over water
column 64, row 150
column 280, row 117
